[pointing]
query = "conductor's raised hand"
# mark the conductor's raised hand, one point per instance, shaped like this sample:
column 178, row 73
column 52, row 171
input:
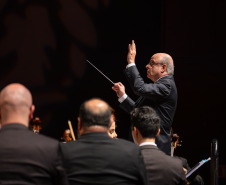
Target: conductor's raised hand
column 131, row 53
column 119, row 89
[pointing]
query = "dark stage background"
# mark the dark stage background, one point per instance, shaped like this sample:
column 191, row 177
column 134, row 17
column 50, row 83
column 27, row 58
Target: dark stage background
column 44, row 45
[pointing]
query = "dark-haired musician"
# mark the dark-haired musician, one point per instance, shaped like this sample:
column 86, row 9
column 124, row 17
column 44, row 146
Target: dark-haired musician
column 161, row 168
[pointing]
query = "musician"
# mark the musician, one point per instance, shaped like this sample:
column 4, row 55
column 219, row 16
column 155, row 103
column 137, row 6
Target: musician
column 25, row 157
column 161, row 168
column 161, row 94
column 193, row 179
column 95, row 158
column 111, row 132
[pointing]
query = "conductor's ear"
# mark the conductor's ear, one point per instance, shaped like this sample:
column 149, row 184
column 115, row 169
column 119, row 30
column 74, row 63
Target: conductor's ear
column 164, row 67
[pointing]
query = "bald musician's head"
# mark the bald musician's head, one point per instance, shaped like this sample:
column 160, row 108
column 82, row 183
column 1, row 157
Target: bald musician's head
column 94, row 116
column 160, row 64
column 16, row 105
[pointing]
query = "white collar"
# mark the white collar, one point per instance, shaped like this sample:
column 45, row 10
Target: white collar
column 147, row 143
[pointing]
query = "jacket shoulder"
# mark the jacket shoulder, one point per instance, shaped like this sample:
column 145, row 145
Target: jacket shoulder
column 43, row 140
column 127, row 147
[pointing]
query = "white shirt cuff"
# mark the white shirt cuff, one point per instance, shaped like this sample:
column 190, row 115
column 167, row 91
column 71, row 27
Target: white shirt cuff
column 129, row 65
column 122, row 98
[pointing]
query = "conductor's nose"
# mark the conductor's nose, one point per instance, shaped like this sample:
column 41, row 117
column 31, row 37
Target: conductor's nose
column 147, row 66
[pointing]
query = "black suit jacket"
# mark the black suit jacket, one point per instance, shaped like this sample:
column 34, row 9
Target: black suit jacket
column 161, row 96
column 161, row 168
column 95, row 158
column 184, row 162
column 28, row 158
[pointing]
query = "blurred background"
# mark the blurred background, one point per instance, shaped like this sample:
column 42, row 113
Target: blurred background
column 44, row 44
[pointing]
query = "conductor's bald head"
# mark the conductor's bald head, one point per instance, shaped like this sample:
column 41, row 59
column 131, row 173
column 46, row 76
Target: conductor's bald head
column 94, row 115
column 16, row 104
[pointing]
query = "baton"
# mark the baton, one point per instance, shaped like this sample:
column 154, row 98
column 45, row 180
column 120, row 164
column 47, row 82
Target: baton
column 101, row 72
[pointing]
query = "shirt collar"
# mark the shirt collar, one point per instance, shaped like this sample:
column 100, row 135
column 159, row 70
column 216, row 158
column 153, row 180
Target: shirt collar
column 147, row 143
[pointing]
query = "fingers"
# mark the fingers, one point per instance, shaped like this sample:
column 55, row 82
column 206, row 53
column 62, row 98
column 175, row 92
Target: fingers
column 120, row 84
column 117, row 86
column 133, row 45
column 129, row 48
column 185, row 171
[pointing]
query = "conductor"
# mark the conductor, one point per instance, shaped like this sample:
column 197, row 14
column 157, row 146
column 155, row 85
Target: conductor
column 160, row 94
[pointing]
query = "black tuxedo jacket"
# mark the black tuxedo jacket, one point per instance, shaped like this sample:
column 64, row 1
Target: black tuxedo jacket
column 161, row 96
column 161, row 168
column 28, row 158
column 95, row 158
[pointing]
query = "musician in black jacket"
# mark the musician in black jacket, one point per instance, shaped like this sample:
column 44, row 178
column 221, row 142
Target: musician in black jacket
column 95, row 158
column 161, row 168
column 25, row 157
column 194, row 179
column 161, row 94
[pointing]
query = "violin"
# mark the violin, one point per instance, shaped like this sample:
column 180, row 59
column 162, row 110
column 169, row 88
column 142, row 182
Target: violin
column 175, row 141
column 36, row 125
column 67, row 137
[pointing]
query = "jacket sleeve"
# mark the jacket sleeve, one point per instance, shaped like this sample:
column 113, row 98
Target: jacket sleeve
column 127, row 104
column 159, row 90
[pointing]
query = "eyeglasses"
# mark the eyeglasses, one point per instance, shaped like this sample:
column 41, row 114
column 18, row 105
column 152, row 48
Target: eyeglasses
column 153, row 63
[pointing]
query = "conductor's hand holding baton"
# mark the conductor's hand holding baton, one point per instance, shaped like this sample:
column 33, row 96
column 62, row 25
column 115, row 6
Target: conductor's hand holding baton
column 119, row 89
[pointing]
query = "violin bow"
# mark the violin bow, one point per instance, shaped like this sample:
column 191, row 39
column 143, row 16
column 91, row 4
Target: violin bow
column 71, row 129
